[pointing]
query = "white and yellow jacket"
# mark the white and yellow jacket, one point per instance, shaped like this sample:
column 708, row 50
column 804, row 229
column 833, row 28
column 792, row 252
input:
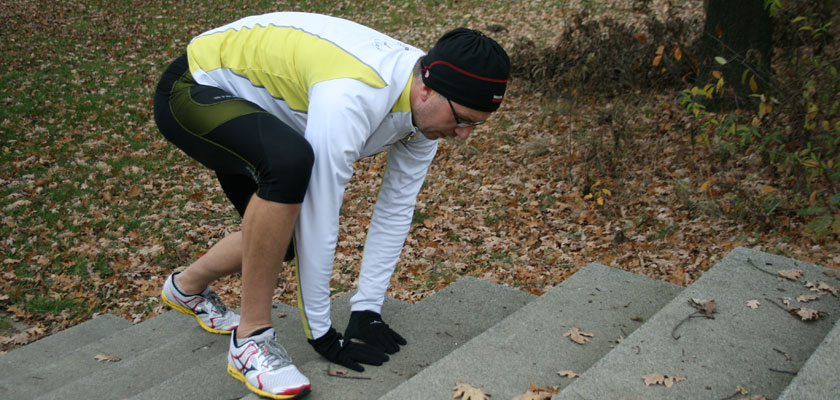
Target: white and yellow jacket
column 345, row 87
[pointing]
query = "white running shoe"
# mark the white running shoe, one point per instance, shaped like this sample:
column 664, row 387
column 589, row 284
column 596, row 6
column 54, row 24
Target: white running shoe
column 265, row 367
column 206, row 307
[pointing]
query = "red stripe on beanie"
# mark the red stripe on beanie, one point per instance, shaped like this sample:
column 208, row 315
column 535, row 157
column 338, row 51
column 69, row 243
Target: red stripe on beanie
column 466, row 73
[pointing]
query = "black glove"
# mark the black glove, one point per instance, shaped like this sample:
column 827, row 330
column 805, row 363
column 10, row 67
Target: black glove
column 342, row 351
column 369, row 327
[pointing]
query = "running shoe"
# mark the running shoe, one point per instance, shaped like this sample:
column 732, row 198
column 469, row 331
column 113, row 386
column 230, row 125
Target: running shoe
column 265, row 367
column 206, row 307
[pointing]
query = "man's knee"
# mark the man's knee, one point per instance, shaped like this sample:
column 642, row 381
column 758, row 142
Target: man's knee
column 295, row 159
column 289, row 167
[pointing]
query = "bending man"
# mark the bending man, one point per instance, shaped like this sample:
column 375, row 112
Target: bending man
column 280, row 106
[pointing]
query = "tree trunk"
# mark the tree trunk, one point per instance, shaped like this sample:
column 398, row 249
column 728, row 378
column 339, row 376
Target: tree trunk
column 740, row 32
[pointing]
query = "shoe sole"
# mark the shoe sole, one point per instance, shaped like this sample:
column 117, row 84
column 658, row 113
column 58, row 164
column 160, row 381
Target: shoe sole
column 238, row 376
column 187, row 311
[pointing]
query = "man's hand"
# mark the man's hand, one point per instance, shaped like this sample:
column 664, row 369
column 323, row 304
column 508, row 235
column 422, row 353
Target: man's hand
column 369, row 327
column 342, row 351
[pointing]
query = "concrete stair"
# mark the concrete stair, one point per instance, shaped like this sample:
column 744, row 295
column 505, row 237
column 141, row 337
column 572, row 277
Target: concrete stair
column 758, row 349
column 495, row 338
column 528, row 346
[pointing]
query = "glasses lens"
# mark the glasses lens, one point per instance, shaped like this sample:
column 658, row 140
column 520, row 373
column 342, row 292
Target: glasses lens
column 458, row 121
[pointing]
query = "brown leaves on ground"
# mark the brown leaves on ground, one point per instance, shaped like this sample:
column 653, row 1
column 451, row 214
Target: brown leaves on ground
column 822, row 287
column 465, row 391
column 753, row 304
column 539, row 393
column 575, row 335
column 807, row 314
column 661, row 379
column 742, row 391
column 791, row 274
column 807, row 297
column 568, row 373
column 706, row 307
column 106, row 358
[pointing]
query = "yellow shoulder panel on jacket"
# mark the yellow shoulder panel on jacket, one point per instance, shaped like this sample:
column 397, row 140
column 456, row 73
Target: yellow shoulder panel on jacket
column 285, row 61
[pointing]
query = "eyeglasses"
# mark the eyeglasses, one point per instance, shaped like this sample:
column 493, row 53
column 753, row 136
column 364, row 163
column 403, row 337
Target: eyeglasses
column 458, row 121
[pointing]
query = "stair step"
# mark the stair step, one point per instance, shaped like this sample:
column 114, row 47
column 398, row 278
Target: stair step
column 739, row 347
column 51, row 348
column 818, row 378
column 528, row 346
column 433, row 328
column 210, row 379
column 167, row 355
column 126, row 344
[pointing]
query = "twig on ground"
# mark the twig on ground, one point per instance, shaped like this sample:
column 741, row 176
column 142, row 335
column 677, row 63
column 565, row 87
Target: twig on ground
column 749, row 261
column 786, row 355
column 732, row 396
column 695, row 314
column 783, row 372
column 776, row 304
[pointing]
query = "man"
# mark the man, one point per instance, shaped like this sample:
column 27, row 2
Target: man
column 280, row 106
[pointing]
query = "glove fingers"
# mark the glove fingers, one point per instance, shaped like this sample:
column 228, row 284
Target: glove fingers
column 391, row 340
column 349, row 363
column 399, row 339
column 366, row 354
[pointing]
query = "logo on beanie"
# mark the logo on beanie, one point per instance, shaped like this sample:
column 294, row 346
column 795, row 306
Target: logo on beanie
column 497, row 98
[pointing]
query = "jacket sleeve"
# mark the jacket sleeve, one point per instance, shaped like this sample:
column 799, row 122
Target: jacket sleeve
column 337, row 126
column 408, row 162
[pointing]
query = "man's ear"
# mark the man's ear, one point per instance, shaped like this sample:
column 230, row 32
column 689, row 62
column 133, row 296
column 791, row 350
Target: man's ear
column 425, row 92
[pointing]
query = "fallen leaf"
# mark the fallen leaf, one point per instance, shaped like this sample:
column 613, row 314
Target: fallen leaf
column 575, row 335
column 640, row 37
column 568, row 373
column 106, row 358
column 661, row 379
column 465, row 391
column 529, row 395
column 539, row 393
column 807, row 297
column 825, row 287
column 753, row 304
column 821, row 287
column 741, row 390
column 707, row 307
column 134, row 191
column 786, row 301
column 807, row 314
column 792, row 274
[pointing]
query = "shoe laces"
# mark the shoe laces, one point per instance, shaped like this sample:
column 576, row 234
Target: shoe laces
column 275, row 355
column 215, row 301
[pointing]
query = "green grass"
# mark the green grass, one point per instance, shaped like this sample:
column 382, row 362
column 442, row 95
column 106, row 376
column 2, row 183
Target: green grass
column 5, row 324
column 49, row 305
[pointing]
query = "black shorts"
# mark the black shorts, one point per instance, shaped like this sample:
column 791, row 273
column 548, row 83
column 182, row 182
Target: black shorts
column 250, row 150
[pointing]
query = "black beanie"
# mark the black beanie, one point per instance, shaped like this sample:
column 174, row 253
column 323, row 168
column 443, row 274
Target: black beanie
column 469, row 68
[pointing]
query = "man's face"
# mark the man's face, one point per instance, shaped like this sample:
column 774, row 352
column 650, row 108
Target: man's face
column 437, row 117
